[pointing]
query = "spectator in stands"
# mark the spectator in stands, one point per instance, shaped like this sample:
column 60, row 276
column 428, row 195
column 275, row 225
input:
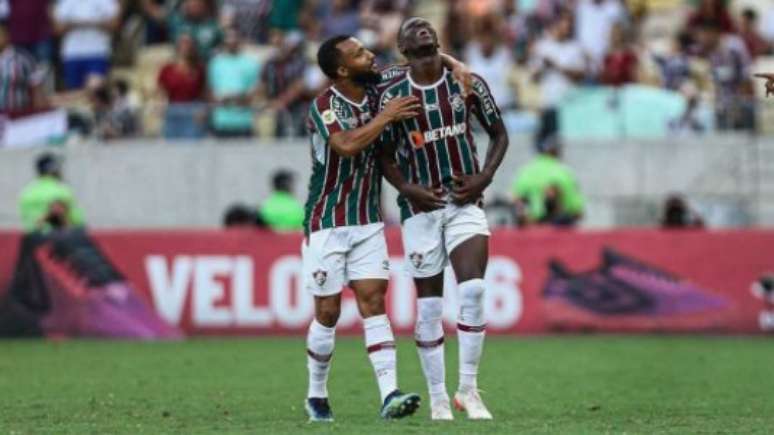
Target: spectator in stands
column 677, row 214
column 48, row 203
column 748, row 30
column 249, row 17
column 767, row 24
column 675, row 66
column 383, row 18
column 21, row 79
column 86, row 27
column 689, row 122
column 490, row 58
column 30, row 27
column 282, row 211
column 283, row 82
column 520, row 29
column 232, row 76
column 155, row 31
column 240, row 216
column 287, row 15
column 184, row 80
column 594, row 20
column 339, row 17
column 545, row 189
column 461, row 17
column 194, row 17
column 730, row 66
column 558, row 64
column 547, row 11
column 114, row 115
column 711, row 11
column 620, row 64
column 456, row 29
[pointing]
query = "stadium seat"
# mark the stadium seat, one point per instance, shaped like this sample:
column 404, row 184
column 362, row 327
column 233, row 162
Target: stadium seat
column 149, row 61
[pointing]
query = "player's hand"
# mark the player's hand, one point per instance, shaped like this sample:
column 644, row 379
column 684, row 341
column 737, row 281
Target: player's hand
column 402, row 108
column 468, row 188
column 424, row 198
column 769, row 82
column 464, row 75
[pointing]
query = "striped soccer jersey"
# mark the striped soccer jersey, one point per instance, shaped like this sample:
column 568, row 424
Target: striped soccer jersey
column 342, row 190
column 437, row 144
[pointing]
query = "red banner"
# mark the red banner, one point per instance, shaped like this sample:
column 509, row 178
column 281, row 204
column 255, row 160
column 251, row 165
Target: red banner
column 538, row 281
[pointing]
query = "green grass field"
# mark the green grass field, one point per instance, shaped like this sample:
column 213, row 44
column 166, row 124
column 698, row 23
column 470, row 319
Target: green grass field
column 574, row 385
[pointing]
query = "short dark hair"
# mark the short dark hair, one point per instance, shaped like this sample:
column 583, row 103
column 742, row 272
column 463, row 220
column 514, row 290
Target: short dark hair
column 750, row 14
column 282, row 180
column 47, row 164
column 240, row 215
column 329, row 56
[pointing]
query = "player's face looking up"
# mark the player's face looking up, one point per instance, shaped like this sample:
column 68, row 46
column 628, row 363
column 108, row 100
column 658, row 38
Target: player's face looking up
column 417, row 38
column 357, row 63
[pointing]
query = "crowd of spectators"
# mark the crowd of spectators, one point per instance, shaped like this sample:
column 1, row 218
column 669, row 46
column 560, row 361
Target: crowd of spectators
column 565, row 44
column 243, row 67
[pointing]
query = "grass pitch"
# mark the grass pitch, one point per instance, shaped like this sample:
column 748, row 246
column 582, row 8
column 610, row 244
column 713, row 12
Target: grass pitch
column 573, row 385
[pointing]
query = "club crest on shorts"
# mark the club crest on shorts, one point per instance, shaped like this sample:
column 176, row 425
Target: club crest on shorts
column 386, row 265
column 320, row 276
column 416, row 259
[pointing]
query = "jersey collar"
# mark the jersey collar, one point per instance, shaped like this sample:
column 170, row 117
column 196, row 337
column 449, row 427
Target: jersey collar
column 430, row 86
column 360, row 104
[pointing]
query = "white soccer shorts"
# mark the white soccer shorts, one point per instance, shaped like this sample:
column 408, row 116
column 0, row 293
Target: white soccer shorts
column 428, row 238
column 335, row 256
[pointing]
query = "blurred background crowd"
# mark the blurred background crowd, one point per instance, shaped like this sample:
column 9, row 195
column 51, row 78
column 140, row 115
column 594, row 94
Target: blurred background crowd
column 195, row 68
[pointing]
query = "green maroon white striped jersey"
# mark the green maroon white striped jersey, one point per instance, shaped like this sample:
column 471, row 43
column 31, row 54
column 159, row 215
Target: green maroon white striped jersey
column 342, row 190
column 437, row 144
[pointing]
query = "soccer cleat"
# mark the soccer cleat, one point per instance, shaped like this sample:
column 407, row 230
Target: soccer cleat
column 399, row 405
column 470, row 402
column 318, row 409
column 441, row 410
column 625, row 294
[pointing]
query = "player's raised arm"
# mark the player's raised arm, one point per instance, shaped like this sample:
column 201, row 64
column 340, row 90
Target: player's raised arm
column 351, row 142
column 469, row 188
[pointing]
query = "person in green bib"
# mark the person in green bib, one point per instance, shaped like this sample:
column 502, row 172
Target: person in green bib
column 47, row 203
column 545, row 189
column 282, row 211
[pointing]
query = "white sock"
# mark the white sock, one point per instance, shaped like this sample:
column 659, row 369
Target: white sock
column 428, row 334
column 319, row 350
column 380, row 344
column 471, row 330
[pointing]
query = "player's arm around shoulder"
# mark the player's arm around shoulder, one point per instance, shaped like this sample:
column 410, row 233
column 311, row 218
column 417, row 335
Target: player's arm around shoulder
column 349, row 143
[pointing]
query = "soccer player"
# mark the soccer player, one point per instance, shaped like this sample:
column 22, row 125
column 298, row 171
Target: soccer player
column 344, row 243
column 440, row 182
